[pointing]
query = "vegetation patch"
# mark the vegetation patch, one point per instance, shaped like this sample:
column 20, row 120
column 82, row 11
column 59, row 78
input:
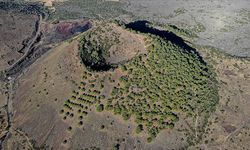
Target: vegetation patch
column 179, row 31
column 98, row 9
column 24, row 7
column 155, row 88
column 107, row 45
column 94, row 48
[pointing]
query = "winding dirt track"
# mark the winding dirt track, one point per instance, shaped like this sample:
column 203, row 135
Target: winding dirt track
column 11, row 80
column 31, row 43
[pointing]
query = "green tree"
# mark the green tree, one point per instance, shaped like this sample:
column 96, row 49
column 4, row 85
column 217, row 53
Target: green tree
column 100, row 108
column 139, row 128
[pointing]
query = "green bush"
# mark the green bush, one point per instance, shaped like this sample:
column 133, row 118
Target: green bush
column 139, row 128
column 100, row 108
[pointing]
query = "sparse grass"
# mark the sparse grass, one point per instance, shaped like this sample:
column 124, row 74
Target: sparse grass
column 199, row 27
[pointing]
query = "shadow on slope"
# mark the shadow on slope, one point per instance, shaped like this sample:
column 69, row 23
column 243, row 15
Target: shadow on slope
column 143, row 27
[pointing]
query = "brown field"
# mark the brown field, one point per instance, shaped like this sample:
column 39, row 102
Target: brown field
column 40, row 95
column 15, row 29
column 60, row 31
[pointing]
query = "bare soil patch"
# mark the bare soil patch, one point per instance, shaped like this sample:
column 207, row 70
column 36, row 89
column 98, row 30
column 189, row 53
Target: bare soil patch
column 60, row 31
column 41, row 92
column 129, row 46
column 107, row 45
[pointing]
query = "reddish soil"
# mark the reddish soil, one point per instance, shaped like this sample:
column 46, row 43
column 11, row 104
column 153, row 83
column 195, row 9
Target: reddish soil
column 55, row 33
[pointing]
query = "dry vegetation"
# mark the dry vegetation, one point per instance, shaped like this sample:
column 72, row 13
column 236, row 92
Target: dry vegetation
column 3, row 122
column 229, row 125
column 3, row 94
column 153, row 95
column 48, row 2
column 16, row 29
column 18, row 140
column 149, row 89
column 3, row 112
column 137, row 104
column 49, row 81
column 37, row 110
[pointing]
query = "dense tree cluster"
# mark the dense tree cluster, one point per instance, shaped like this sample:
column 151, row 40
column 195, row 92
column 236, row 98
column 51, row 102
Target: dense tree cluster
column 154, row 88
column 160, row 85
